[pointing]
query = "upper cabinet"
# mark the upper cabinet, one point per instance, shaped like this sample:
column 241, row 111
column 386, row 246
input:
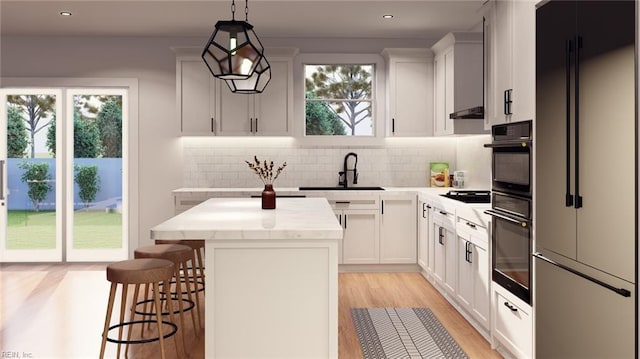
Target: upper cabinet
column 206, row 105
column 269, row 113
column 510, row 61
column 196, row 97
column 457, row 82
column 410, row 92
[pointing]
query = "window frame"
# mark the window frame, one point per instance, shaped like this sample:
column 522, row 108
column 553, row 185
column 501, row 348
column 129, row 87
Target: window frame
column 378, row 98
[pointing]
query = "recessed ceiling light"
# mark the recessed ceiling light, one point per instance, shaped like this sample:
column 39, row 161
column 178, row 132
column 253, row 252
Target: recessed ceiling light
column 65, row 13
column 387, row 16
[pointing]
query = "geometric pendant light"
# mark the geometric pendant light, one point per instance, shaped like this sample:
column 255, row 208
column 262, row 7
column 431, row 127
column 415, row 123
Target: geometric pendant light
column 255, row 83
column 234, row 51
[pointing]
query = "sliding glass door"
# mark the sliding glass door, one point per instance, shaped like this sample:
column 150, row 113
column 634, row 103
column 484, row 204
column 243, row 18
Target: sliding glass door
column 96, row 194
column 63, row 161
column 31, row 211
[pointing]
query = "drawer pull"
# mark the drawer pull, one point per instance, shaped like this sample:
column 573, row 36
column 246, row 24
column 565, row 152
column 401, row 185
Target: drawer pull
column 471, row 225
column 343, row 202
column 443, row 212
column 513, row 309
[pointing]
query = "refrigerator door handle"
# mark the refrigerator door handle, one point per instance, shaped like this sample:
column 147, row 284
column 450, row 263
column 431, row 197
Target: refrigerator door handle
column 576, row 54
column 567, row 50
column 623, row 292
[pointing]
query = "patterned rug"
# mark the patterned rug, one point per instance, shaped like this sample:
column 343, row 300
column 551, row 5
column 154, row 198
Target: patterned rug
column 395, row 333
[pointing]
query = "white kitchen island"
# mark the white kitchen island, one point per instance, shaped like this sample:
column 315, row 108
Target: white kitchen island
column 271, row 275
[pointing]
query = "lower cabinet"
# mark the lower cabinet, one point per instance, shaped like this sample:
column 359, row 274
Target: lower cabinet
column 473, row 271
column 360, row 241
column 425, row 256
column 398, row 229
column 513, row 323
column 444, row 243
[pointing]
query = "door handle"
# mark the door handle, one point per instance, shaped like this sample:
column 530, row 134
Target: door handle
column 256, row 119
column 440, row 236
column 568, row 196
column 345, row 221
column 578, row 202
column 251, row 124
column 506, row 218
column 511, row 307
column 1, row 180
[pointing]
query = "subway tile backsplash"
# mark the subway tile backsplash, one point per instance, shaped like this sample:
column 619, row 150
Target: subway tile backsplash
column 219, row 162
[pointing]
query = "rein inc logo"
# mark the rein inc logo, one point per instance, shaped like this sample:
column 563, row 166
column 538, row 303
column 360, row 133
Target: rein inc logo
column 15, row 354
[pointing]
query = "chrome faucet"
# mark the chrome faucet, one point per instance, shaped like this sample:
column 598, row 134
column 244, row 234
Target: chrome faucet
column 342, row 181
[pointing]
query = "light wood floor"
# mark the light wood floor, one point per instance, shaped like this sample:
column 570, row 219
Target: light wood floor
column 57, row 311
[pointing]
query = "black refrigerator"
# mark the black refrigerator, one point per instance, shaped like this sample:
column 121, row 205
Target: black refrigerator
column 585, row 218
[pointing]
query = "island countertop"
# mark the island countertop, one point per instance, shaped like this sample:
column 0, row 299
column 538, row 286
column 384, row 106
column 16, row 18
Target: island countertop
column 244, row 219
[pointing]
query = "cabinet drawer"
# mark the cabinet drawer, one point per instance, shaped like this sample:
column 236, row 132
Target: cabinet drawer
column 513, row 325
column 353, row 203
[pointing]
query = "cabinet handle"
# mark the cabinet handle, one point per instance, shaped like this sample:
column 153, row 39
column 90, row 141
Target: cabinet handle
column 393, row 125
column 382, row 207
column 343, row 202
column 251, row 124
column 256, row 119
column 340, row 219
column 467, row 252
column 345, row 221
column 471, row 225
column 440, row 236
column 443, row 212
column 507, row 101
column 429, row 206
column 513, row 309
column 213, row 125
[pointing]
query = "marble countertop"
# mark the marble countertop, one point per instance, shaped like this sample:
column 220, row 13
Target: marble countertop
column 244, row 219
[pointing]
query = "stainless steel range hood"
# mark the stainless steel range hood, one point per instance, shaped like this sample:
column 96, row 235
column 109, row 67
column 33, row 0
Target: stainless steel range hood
column 469, row 113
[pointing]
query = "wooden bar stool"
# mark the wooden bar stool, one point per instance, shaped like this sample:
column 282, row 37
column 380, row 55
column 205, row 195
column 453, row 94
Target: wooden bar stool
column 198, row 251
column 180, row 255
column 137, row 272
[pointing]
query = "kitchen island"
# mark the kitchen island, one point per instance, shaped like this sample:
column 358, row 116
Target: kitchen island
column 272, row 275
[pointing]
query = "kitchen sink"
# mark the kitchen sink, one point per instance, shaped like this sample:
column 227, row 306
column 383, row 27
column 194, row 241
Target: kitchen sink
column 340, row 188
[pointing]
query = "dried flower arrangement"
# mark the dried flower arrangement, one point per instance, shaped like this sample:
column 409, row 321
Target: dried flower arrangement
column 265, row 170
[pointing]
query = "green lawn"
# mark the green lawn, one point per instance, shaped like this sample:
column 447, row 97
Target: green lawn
column 36, row 230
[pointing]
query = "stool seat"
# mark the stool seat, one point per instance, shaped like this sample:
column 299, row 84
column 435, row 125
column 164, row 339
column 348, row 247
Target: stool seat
column 176, row 253
column 145, row 270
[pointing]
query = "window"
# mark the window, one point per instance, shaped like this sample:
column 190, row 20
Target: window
column 339, row 99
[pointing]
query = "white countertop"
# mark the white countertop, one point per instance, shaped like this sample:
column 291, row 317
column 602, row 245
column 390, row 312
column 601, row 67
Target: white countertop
column 243, row 218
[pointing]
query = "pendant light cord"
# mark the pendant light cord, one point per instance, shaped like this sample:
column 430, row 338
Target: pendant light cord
column 246, row 10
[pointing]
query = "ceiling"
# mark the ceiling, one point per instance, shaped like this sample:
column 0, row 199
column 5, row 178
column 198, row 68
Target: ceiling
column 421, row 19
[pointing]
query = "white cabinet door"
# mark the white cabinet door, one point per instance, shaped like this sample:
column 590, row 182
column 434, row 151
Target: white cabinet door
column 361, row 244
column 445, row 256
column 440, row 111
column 273, row 107
column 196, row 97
column 423, row 236
column 268, row 113
column 473, row 280
column 236, row 113
column 409, row 92
column 398, row 240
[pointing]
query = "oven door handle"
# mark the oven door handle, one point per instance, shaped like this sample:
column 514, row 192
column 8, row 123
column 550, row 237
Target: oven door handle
column 523, row 223
column 509, row 144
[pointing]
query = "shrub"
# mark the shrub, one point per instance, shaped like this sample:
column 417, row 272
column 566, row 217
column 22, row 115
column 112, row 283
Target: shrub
column 36, row 175
column 87, row 179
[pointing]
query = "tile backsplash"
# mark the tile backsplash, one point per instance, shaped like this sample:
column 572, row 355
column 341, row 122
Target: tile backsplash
column 219, row 162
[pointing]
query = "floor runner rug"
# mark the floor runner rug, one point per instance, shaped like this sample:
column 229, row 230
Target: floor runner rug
column 398, row 333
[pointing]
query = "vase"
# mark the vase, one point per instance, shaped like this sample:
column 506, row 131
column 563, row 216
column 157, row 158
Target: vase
column 268, row 197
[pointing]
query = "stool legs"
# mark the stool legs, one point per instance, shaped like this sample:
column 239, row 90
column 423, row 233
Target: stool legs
column 105, row 332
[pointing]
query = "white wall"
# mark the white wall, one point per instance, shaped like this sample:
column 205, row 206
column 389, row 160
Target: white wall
column 167, row 161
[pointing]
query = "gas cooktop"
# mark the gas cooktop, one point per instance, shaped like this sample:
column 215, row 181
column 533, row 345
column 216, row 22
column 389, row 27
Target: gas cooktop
column 469, row 196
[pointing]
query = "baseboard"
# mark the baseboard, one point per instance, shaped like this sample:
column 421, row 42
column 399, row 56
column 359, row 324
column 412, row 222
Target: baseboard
column 352, row 268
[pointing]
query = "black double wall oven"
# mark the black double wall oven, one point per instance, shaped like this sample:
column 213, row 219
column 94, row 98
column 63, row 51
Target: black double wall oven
column 511, row 206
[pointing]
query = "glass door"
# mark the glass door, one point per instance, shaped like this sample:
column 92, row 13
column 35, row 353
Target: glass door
column 96, row 195
column 31, row 190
